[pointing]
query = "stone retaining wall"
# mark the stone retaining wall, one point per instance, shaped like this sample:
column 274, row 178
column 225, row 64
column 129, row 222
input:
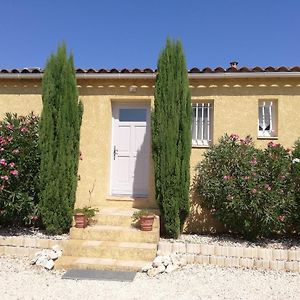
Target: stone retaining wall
column 25, row 246
column 234, row 256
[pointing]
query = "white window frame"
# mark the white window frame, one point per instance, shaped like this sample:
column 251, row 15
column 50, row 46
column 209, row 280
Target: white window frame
column 269, row 106
column 198, row 138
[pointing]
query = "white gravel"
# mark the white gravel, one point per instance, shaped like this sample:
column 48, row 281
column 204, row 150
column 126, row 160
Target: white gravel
column 229, row 240
column 30, row 233
column 19, row 280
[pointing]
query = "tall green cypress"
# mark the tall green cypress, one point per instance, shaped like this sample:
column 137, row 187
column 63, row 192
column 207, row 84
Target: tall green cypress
column 59, row 134
column 171, row 138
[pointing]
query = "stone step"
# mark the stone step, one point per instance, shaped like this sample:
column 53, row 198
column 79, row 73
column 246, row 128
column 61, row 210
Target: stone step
column 115, row 233
column 113, row 250
column 118, row 217
column 72, row 262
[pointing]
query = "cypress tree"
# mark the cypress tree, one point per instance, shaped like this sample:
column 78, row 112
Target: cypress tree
column 171, row 138
column 59, row 134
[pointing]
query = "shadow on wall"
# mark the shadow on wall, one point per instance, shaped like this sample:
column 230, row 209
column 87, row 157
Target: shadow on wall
column 141, row 169
column 200, row 220
column 141, row 157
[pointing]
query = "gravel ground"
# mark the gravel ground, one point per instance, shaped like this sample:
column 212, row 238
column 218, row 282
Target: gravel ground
column 229, row 240
column 30, row 233
column 19, row 280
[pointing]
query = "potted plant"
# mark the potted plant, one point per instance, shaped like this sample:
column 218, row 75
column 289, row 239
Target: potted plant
column 83, row 216
column 145, row 219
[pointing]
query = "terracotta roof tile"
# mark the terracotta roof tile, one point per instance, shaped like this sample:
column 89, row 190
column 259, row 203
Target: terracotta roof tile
column 219, row 70
column 193, row 70
column 244, row 69
column 125, row 71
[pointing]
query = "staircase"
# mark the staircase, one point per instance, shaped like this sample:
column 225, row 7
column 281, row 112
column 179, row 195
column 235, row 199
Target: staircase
column 111, row 243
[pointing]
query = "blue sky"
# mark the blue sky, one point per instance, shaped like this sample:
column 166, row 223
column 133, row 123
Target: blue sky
column 131, row 33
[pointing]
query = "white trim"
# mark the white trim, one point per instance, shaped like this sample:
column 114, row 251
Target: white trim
column 196, row 140
column 202, row 122
column 115, row 108
column 196, row 121
column 208, row 121
column 266, row 105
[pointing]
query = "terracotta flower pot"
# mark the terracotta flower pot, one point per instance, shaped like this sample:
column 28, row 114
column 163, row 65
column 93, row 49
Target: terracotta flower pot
column 146, row 222
column 80, row 220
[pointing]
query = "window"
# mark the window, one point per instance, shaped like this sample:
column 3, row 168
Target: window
column 202, row 124
column 267, row 118
column 133, row 115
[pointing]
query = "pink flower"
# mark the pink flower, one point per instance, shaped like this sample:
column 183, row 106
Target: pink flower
column 10, row 138
column 14, row 172
column 254, row 191
column 281, row 218
column 272, row 145
column 234, row 137
column 12, row 164
column 24, row 129
column 226, row 177
column 3, row 141
column 5, row 177
column 3, row 162
column 10, row 126
column 254, row 174
column 253, row 162
column 246, row 177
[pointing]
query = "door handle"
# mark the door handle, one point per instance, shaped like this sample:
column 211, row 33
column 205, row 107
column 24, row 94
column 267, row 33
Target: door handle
column 115, row 152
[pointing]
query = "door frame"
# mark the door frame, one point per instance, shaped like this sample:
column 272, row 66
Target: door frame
column 115, row 106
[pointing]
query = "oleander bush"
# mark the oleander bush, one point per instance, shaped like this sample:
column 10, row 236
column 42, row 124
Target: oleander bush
column 249, row 190
column 296, row 180
column 19, row 169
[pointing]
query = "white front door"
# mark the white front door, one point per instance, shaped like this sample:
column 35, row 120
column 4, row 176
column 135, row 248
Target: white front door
column 130, row 150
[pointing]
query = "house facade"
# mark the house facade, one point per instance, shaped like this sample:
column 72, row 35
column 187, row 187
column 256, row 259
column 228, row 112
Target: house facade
column 116, row 169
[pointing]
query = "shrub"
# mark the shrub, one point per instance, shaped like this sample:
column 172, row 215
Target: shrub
column 249, row 190
column 171, row 138
column 59, row 142
column 19, row 168
column 296, row 181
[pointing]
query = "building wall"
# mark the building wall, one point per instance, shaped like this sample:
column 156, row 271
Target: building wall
column 235, row 110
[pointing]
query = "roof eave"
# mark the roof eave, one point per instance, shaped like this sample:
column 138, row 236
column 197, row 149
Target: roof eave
column 153, row 75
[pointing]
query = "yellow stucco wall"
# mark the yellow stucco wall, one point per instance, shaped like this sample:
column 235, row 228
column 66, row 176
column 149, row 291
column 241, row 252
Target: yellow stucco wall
column 95, row 144
column 235, row 110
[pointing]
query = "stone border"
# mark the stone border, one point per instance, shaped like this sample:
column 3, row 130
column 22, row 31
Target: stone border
column 25, row 246
column 234, row 256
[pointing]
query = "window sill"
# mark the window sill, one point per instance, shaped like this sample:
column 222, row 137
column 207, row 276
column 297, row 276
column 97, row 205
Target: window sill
column 267, row 137
column 201, row 146
column 126, row 198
